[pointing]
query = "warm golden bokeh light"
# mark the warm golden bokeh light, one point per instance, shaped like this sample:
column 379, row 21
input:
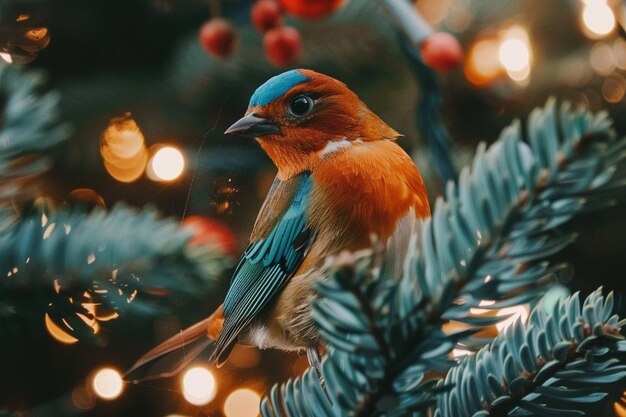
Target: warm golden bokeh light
column 108, row 384
column 58, row 333
column 199, row 386
column 242, row 403
column 483, row 65
column 515, row 54
column 506, row 53
column 598, row 18
column 123, row 149
column 167, row 164
column 129, row 170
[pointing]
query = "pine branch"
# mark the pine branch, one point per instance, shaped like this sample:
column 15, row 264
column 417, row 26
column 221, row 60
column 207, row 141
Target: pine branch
column 30, row 129
column 70, row 260
column 489, row 240
column 556, row 364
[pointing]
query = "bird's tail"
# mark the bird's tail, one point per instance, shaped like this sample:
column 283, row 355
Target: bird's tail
column 173, row 355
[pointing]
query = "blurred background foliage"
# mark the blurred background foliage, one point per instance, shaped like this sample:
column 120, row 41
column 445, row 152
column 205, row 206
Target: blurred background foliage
column 131, row 78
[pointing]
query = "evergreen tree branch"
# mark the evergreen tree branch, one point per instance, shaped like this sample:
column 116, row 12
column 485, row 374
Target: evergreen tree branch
column 68, row 262
column 489, row 240
column 556, row 364
column 77, row 268
column 30, row 129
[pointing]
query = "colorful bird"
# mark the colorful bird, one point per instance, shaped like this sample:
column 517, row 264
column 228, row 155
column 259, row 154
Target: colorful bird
column 341, row 180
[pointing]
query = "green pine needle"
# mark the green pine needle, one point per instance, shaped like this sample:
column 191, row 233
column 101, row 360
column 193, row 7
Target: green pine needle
column 488, row 240
column 554, row 365
column 110, row 259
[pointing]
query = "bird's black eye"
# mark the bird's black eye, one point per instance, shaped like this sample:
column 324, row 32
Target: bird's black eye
column 300, row 105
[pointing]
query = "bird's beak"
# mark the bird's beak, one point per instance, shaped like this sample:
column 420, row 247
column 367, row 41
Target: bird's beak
column 253, row 126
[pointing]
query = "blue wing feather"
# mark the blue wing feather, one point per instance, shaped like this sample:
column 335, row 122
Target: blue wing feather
column 265, row 268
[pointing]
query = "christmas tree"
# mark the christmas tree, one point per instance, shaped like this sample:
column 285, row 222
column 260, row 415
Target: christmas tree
column 123, row 207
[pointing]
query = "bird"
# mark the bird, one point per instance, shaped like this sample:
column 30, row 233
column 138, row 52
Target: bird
column 342, row 179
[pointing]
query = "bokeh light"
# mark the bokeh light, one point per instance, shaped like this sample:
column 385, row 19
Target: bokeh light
column 242, row 403
column 199, row 386
column 602, row 58
column 598, row 18
column 167, row 164
column 619, row 53
column 494, row 55
column 123, row 149
column 108, row 384
column 58, row 333
column 614, row 88
column 515, row 54
column 82, row 398
column 483, row 65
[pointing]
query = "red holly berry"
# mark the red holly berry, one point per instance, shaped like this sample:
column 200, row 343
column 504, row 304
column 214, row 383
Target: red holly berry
column 265, row 15
column 218, row 37
column 441, row 51
column 311, row 9
column 283, row 45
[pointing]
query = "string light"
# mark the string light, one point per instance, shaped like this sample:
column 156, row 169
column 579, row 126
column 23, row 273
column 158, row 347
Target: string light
column 598, row 18
column 108, row 384
column 242, row 403
column 167, row 164
column 123, row 149
column 199, row 386
column 492, row 56
column 483, row 65
column 515, row 54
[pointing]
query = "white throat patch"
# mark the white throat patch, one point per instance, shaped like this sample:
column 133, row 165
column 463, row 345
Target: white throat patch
column 335, row 146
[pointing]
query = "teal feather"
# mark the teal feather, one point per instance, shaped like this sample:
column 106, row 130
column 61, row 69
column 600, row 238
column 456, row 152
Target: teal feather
column 276, row 87
column 265, row 268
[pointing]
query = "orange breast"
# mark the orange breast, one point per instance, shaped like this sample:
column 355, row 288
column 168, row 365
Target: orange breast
column 367, row 188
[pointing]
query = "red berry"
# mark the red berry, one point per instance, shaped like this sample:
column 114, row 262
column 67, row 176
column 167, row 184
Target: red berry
column 283, row 45
column 208, row 231
column 265, row 15
column 311, row 9
column 218, row 37
column 441, row 51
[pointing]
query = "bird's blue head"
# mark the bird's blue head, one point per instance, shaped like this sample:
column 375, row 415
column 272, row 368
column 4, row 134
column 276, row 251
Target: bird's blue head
column 276, row 87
